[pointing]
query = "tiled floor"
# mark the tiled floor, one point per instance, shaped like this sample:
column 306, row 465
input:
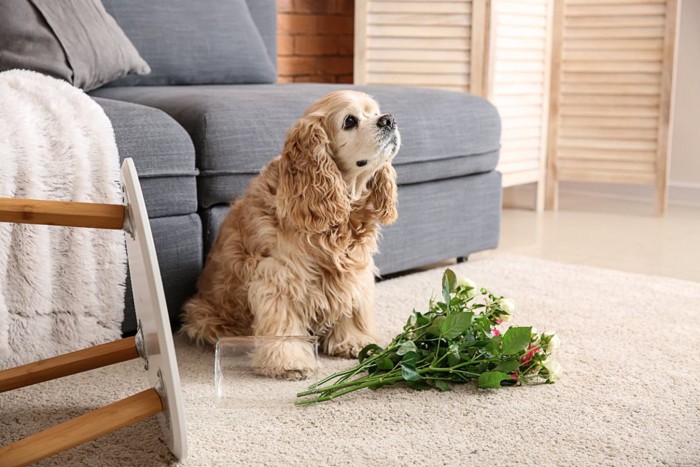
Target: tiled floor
column 608, row 233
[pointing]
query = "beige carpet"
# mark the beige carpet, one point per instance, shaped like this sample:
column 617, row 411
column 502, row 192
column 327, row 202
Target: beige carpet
column 630, row 394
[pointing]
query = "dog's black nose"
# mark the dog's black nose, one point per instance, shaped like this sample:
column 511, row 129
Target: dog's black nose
column 386, row 121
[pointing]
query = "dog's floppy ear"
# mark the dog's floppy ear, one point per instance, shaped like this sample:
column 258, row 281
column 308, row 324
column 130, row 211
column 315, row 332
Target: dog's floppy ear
column 311, row 193
column 383, row 194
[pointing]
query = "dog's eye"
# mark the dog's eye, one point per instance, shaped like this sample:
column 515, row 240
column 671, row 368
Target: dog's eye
column 350, row 122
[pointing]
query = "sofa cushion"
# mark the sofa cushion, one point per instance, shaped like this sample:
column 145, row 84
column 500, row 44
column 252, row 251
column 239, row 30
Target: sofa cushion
column 178, row 242
column 237, row 130
column 163, row 154
column 411, row 241
column 188, row 42
column 74, row 40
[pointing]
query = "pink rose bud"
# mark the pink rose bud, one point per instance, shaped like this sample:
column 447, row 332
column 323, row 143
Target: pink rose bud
column 515, row 375
column 495, row 332
column 529, row 355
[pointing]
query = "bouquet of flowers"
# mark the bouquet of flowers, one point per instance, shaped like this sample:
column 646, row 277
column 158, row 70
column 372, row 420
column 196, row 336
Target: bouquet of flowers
column 458, row 340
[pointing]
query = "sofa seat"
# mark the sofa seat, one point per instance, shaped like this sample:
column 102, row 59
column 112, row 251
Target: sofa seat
column 238, row 129
column 164, row 157
column 429, row 216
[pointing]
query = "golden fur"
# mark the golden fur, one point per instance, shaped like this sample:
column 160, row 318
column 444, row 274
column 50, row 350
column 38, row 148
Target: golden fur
column 294, row 254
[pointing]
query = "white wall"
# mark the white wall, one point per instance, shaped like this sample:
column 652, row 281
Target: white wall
column 685, row 141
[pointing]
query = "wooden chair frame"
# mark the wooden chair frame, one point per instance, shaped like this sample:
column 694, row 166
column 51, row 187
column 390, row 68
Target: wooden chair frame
column 153, row 342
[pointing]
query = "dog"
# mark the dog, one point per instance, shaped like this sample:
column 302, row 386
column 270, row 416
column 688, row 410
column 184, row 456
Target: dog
column 294, row 256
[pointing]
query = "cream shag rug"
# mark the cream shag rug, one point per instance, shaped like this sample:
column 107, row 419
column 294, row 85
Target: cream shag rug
column 630, row 393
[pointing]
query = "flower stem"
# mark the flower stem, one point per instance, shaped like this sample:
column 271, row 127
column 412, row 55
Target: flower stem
column 370, row 380
column 351, row 388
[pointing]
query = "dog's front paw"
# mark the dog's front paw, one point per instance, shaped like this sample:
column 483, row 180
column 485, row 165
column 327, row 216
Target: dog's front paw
column 348, row 348
column 284, row 360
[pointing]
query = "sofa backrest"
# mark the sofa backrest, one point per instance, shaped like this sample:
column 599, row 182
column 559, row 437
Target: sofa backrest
column 200, row 42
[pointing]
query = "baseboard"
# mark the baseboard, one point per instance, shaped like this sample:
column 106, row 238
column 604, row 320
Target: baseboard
column 684, row 194
column 679, row 193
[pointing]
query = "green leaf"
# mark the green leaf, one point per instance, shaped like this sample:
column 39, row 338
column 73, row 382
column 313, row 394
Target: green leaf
column 384, row 363
column 492, row 379
column 508, row 366
column 485, row 343
column 410, row 358
column 408, row 346
column 441, row 385
column 434, row 328
column 418, row 385
column 453, row 356
column 416, row 320
column 448, row 281
column 455, row 324
column 421, row 320
column 453, row 359
column 364, row 353
column 409, row 373
column 448, row 285
column 493, row 346
column 413, row 319
column 516, row 339
column 468, row 340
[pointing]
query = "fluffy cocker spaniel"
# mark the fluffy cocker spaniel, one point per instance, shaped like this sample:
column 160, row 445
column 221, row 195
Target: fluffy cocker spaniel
column 294, row 254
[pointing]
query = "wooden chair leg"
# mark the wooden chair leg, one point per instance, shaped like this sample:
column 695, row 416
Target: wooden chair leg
column 68, row 364
column 66, row 213
column 82, row 429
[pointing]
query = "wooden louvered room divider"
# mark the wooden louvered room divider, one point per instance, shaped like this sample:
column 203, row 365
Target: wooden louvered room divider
column 611, row 93
column 499, row 49
column 517, row 83
column 584, row 87
column 421, row 43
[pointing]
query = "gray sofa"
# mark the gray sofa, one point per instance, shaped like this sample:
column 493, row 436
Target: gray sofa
column 196, row 148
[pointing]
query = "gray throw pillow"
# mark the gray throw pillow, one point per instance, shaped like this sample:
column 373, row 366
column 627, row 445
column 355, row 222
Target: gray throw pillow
column 194, row 42
column 96, row 47
column 27, row 41
column 76, row 40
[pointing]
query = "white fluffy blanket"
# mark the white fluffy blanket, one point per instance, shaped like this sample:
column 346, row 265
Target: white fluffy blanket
column 61, row 288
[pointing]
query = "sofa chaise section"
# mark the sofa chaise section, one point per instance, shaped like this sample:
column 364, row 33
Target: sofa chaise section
column 449, row 195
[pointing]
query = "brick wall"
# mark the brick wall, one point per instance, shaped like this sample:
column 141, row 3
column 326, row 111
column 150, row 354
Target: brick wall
column 315, row 41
